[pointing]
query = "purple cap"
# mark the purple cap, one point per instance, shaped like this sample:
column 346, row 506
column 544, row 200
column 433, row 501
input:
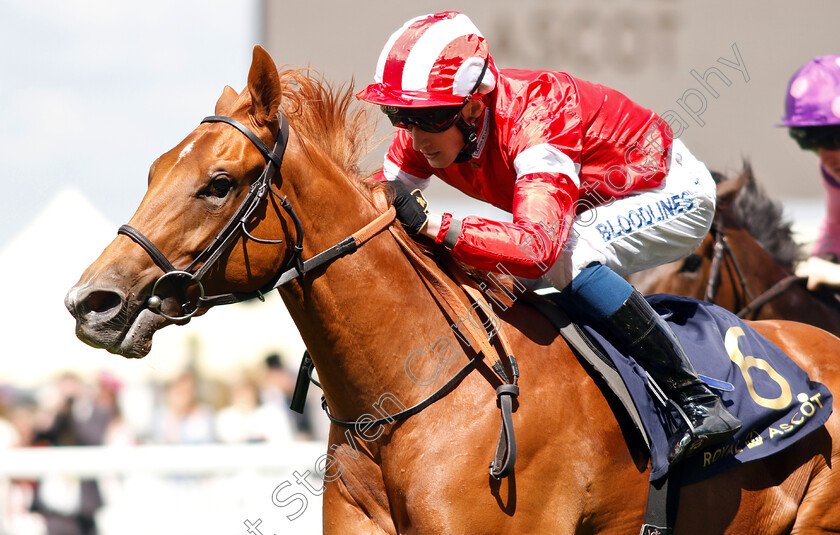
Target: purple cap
column 813, row 95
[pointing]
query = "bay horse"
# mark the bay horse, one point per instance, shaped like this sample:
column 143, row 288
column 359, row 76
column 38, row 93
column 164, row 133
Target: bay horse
column 369, row 317
column 745, row 264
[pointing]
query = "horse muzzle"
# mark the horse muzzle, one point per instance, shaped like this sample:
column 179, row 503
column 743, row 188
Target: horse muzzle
column 106, row 319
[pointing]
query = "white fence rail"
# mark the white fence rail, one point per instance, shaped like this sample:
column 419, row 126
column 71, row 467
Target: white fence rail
column 213, row 489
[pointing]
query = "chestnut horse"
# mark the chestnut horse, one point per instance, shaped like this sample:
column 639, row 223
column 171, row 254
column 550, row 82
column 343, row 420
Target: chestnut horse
column 756, row 255
column 369, row 317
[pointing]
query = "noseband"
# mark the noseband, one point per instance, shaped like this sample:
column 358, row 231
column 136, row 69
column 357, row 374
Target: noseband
column 293, row 268
column 237, row 224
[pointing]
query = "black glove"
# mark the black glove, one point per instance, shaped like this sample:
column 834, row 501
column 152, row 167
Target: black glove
column 410, row 205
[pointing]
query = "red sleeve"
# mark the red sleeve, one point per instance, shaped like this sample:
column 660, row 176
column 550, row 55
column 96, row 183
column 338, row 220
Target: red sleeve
column 543, row 139
column 528, row 246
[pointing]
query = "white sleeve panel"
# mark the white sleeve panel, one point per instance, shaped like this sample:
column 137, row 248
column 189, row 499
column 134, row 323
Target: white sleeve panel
column 545, row 158
column 393, row 172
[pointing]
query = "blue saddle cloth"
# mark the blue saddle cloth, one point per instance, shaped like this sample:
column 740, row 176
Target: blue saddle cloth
column 772, row 395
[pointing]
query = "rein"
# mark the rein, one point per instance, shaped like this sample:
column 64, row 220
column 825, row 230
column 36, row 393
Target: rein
column 237, row 224
column 478, row 340
column 505, row 457
column 723, row 255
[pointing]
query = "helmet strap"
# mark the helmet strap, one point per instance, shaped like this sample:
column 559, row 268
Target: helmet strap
column 469, row 129
column 470, row 138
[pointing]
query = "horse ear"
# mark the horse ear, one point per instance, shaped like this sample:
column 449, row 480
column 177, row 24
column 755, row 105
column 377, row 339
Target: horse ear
column 727, row 190
column 264, row 86
column 225, row 102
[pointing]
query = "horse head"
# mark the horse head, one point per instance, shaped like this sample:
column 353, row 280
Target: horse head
column 745, row 262
column 699, row 275
column 194, row 191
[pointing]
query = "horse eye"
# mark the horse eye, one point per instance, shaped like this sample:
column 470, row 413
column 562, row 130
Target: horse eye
column 691, row 263
column 220, row 187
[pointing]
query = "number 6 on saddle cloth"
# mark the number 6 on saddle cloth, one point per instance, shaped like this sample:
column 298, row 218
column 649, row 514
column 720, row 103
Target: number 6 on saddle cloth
column 760, row 384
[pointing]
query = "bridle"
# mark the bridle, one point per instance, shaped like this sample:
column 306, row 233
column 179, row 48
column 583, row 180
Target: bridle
column 294, row 266
column 745, row 303
column 193, row 274
column 723, row 256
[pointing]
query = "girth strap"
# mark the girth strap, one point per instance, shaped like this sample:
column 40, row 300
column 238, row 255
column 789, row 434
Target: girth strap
column 662, row 504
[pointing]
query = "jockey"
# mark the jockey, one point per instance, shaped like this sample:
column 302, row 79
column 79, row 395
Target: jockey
column 812, row 115
column 596, row 185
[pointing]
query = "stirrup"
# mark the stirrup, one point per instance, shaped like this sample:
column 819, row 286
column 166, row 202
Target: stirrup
column 718, row 426
column 694, row 444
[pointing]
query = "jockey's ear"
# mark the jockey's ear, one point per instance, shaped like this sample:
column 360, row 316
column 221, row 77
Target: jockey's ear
column 225, row 102
column 264, row 86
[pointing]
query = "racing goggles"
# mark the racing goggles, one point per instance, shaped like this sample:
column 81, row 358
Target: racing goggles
column 817, row 137
column 436, row 119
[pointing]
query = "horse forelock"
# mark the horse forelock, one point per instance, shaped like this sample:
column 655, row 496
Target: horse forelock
column 763, row 218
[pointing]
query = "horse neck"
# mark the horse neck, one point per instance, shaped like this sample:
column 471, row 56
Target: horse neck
column 762, row 271
column 365, row 312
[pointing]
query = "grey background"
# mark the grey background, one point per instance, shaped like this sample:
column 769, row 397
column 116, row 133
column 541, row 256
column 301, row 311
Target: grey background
column 643, row 48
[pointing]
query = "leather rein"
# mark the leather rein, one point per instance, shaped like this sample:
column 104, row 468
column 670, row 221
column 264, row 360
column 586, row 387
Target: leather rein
column 723, row 256
column 294, row 267
column 505, row 457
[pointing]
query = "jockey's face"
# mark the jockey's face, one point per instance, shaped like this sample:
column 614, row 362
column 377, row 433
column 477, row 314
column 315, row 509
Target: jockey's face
column 440, row 149
column 830, row 160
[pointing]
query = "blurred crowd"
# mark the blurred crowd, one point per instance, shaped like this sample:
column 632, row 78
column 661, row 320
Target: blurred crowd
column 190, row 409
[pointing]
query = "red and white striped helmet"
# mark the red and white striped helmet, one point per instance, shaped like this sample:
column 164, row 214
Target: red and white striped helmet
column 433, row 60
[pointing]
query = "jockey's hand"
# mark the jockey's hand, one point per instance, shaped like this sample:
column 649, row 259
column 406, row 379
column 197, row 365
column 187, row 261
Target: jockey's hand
column 819, row 272
column 411, row 207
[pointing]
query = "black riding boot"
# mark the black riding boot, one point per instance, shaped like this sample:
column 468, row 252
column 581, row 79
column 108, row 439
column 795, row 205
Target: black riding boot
column 650, row 340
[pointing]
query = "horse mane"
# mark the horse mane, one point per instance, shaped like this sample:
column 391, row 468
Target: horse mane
column 762, row 217
column 329, row 116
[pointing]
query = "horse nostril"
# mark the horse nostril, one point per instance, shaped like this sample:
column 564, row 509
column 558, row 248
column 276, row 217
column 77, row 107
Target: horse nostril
column 102, row 301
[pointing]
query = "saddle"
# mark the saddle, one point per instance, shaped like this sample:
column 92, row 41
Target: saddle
column 762, row 386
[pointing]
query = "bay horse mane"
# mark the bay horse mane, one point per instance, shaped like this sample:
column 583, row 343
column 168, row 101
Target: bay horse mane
column 762, row 217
